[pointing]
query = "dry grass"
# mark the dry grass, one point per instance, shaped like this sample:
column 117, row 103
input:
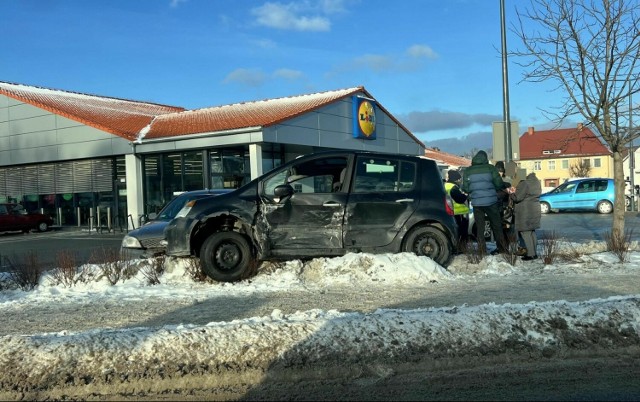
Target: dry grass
column 65, row 273
column 26, row 271
column 549, row 247
column 112, row 266
column 194, row 270
column 473, row 253
column 619, row 244
column 152, row 272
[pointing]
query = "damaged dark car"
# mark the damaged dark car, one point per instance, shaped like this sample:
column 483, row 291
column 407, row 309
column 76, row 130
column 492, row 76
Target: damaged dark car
column 320, row 205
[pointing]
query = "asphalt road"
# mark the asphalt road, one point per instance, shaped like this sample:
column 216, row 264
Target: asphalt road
column 92, row 246
column 88, row 246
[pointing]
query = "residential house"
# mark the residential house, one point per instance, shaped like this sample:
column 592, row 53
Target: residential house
column 558, row 155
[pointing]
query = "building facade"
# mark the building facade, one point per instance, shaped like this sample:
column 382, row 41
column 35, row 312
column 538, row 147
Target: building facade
column 94, row 160
column 558, row 155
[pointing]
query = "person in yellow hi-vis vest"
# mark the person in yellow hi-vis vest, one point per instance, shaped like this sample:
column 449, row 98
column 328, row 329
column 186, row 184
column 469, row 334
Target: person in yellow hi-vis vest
column 460, row 206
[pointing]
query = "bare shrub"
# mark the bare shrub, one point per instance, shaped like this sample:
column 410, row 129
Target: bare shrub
column 510, row 255
column 112, row 266
column 153, row 271
column 67, row 268
column 194, row 270
column 619, row 244
column 549, row 247
column 26, row 271
column 473, row 253
column 569, row 254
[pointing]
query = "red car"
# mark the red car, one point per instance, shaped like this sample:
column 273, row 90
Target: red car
column 14, row 217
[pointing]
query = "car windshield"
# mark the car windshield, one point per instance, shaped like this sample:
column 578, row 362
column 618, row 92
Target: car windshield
column 174, row 206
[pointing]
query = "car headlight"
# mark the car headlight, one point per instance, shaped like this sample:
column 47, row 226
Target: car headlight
column 185, row 210
column 130, row 242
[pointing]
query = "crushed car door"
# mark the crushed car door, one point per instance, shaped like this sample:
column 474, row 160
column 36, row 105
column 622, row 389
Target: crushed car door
column 383, row 196
column 310, row 211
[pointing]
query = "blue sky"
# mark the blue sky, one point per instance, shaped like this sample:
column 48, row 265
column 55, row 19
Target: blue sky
column 433, row 64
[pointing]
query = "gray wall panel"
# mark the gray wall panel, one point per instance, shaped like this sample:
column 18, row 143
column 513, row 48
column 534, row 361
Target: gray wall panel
column 81, row 134
column 4, row 130
column 4, row 102
column 63, row 122
column 90, row 149
column 34, row 155
column 5, row 157
column 33, row 140
column 24, row 111
column 297, row 135
column 32, row 125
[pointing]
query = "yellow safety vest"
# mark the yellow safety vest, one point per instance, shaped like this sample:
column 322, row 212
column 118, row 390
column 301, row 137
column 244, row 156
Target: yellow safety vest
column 458, row 209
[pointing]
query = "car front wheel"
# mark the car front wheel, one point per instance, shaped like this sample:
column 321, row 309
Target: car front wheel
column 545, row 208
column 605, row 207
column 42, row 227
column 226, row 257
column 430, row 242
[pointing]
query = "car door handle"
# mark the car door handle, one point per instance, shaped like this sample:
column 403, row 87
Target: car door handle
column 403, row 200
column 331, row 204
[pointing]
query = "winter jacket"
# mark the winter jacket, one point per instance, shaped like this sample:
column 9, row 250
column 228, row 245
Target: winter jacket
column 482, row 181
column 527, row 199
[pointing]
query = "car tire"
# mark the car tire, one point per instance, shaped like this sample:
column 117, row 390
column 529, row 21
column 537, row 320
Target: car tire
column 605, row 207
column 42, row 227
column 545, row 208
column 431, row 242
column 226, row 257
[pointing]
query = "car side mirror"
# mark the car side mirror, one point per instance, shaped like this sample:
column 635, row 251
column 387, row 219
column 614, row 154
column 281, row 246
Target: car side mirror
column 152, row 216
column 283, row 191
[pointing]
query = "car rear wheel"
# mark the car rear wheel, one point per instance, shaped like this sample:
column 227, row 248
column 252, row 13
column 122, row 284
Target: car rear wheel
column 605, row 207
column 42, row 227
column 545, row 208
column 430, row 242
column 226, row 257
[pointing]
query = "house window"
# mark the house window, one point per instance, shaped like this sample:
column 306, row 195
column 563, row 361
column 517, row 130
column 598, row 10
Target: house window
column 586, row 162
column 551, row 165
column 596, row 162
column 565, row 164
column 537, row 165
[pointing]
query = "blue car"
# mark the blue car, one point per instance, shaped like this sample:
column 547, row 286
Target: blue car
column 594, row 194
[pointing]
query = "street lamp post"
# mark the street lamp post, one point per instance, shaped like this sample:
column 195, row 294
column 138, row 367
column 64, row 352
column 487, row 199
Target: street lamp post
column 505, row 89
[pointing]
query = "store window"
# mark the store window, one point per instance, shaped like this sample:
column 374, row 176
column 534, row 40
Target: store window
column 229, row 167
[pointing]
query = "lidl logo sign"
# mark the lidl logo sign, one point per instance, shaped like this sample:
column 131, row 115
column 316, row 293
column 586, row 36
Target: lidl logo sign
column 364, row 122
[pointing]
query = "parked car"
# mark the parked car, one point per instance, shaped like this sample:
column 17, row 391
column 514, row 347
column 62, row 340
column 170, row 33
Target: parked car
column 320, row 205
column 147, row 240
column 13, row 217
column 596, row 194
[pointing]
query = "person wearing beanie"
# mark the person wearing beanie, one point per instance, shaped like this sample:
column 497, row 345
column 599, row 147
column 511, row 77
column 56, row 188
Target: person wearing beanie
column 481, row 182
column 460, row 207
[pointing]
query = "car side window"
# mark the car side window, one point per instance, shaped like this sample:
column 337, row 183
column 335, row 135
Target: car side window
column 383, row 175
column 3, row 210
column 323, row 175
column 586, row 187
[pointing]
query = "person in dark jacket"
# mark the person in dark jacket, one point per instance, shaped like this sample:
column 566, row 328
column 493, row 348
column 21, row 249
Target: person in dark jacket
column 527, row 212
column 482, row 183
column 460, row 207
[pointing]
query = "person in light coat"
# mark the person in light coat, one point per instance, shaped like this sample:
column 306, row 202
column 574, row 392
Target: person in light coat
column 527, row 213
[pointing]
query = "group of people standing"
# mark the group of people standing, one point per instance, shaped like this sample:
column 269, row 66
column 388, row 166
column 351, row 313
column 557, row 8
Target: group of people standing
column 484, row 187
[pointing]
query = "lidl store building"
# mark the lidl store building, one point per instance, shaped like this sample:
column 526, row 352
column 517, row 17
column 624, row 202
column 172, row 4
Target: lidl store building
column 94, row 160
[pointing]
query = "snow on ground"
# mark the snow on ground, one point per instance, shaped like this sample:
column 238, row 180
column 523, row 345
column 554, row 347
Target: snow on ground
column 317, row 335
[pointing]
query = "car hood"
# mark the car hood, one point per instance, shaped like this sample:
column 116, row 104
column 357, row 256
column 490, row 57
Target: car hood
column 150, row 230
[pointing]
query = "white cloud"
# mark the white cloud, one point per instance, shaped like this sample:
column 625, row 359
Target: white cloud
column 288, row 74
column 176, row 3
column 249, row 77
column 420, row 51
column 288, row 16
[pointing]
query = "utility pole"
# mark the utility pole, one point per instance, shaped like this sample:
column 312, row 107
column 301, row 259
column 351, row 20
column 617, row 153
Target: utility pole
column 505, row 89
